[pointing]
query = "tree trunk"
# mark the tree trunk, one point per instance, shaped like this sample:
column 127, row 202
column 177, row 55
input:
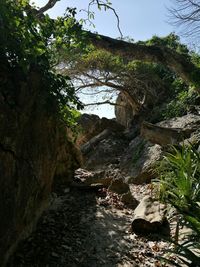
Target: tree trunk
column 163, row 55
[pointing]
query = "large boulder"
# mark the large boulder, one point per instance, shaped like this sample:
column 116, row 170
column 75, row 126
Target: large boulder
column 189, row 121
column 91, row 125
column 104, row 149
column 139, row 160
column 149, row 217
column 172, row 131
column 31, row 141
column 163, row 135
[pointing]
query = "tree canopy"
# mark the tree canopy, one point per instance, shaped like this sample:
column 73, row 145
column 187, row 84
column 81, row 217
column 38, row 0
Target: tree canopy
column 32, row 40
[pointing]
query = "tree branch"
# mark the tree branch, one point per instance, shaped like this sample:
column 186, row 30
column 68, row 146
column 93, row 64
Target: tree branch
column 180, row 64
column 163, row 55
column 49, row 5
column 101, row 103
column 109, row 84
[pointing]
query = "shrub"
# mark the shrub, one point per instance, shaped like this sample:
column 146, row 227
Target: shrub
column 179, row 186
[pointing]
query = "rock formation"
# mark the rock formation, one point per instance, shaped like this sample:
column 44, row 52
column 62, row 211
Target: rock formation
column 171, row 131
column 91, row 125
column 149, row 216
column 33, row 144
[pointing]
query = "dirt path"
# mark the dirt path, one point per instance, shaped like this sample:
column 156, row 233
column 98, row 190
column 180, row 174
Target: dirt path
column 82, row 229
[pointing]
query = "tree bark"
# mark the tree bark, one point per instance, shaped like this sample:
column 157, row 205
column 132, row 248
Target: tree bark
column 133, row 51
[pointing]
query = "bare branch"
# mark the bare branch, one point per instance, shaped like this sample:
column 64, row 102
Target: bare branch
column 109, row 84
column 186, row 15
column 115, row 13
column 49, row 5
column 103, row 4
column 98, row 92
column 101, row 103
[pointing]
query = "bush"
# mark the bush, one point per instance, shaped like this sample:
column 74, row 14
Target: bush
column 29, row 44
column 179, row 186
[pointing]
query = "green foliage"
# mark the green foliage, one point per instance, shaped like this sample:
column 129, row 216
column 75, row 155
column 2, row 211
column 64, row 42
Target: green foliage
column 179, row 185
column 70, row 116
column 180, row 100
column 180, row 177
column 29, row 43
column 100, row 60
column 181, row 103
column 156, row 86
column 171, row 41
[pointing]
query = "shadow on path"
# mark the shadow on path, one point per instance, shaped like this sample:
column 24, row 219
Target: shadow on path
column 76, row 231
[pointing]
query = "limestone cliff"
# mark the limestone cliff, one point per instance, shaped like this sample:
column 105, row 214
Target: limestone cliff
column 33, row 145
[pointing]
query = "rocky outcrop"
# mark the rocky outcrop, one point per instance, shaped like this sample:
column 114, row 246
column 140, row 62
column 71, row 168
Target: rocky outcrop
column 171, row 131
column 149, row 217
column 87, row 147
column 100, row 152
column 106, row 147
column 138, row 161
column 91, row 125
column 123, row 190
column 135, row 158
column 163, row 135
column 189, row 121
column 32, row 141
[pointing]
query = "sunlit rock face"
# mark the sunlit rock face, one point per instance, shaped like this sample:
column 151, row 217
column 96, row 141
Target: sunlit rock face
column 123, row 111
column 90, row 125
column 150, row 217
column 32, row 143
column 139, row 160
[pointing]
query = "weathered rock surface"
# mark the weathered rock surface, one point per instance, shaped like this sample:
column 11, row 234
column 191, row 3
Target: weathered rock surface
column 171, row 131
column 189, row 121
column 104, row 149
column 139, row 160
column 87, row 147
column 91, row 125
column 163, row 135
column 31, row 144
column 69, row 159
column 93, row 177
column 123, row 110
column 149, row 216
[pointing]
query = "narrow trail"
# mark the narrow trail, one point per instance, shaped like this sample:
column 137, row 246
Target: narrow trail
column 82, row 228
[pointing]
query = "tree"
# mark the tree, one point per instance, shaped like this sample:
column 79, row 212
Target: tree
column 37, row 41
column 143, row 84
column 186, row 15
column 29, row 44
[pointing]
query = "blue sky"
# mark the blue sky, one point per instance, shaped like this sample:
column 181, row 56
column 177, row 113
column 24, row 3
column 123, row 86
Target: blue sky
column 139, row 19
